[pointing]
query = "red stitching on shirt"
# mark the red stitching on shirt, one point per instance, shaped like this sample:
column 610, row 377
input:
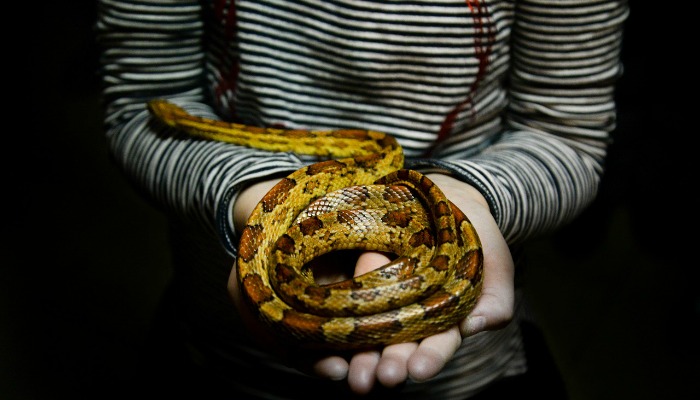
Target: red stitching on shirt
column 482, row 52
column 229, row 77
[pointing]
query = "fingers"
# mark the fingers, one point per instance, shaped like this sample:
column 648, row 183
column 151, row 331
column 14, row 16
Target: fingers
column 362, row 372
column 423, row 361
column 334, row 368
column 389, row 366
column 433, row 353
column 494, row 309
column 393, row 365
column 398, row 362
column 370, row 260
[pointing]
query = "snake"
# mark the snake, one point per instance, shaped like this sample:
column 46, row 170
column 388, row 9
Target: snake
column 356, row 195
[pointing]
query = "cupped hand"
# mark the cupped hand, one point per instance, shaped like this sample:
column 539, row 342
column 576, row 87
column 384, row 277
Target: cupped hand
column 419, row 361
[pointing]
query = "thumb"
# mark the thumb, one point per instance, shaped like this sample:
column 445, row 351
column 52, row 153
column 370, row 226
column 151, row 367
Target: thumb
column 495, row 306
column 370, row 260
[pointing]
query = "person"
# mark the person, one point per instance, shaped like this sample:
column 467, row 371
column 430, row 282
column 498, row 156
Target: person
column 507, row 105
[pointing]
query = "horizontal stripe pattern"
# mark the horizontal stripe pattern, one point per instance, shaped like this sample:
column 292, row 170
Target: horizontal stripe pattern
column 520, row 95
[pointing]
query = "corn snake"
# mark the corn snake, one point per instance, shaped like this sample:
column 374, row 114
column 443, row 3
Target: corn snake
column 358, row 197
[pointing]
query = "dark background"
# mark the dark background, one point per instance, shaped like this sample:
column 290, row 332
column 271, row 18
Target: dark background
column 85, row 259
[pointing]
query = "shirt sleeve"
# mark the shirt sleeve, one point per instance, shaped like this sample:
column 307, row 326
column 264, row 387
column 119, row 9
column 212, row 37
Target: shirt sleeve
column 153, row 49
column 545, row 167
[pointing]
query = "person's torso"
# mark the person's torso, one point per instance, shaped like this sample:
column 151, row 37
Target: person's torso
column 424, row 73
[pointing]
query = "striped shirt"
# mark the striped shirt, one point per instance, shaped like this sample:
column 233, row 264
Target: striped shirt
column 515, row 98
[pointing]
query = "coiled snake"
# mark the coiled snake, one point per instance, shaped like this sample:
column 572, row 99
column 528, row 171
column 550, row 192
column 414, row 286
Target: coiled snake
column 360, row 197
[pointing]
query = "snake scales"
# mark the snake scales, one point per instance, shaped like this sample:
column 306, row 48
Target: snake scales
column 360, row 197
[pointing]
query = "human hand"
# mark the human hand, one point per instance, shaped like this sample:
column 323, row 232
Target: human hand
column 422, row 360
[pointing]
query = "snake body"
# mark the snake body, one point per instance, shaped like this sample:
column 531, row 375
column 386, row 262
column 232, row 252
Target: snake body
column 360, row 197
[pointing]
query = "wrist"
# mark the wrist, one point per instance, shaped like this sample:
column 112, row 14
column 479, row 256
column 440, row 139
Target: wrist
column 452, row 186
column 246, row 201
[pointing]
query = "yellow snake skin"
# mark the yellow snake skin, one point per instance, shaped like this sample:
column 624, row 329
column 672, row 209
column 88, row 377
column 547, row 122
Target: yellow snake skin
column 360, row 197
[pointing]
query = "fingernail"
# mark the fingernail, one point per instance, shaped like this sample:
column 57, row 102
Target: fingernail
column 474, row 325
